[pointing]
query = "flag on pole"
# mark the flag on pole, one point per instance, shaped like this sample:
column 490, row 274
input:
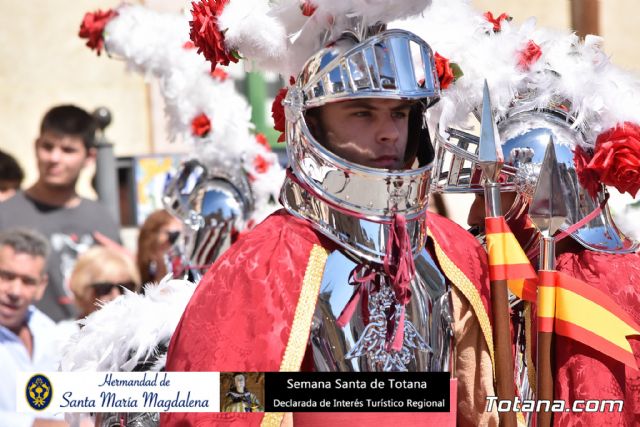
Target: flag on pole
column 571, row 308
column 507, row 260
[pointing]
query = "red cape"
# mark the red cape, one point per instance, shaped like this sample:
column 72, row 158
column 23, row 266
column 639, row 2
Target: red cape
column 230, row 326
column 469, row 257
column 583, row 373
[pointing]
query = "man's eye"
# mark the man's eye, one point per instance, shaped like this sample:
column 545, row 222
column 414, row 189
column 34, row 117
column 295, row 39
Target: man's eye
column 362, row 114
column 7, row 275
column 400, row 114
column 69, row 150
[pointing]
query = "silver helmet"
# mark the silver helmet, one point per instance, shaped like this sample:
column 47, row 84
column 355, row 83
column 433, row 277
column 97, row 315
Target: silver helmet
column 354, row 204
column 525, row 133
column 213, row 205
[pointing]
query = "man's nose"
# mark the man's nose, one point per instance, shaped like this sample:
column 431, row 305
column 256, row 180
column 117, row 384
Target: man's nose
column 14, row 287
column 54, row 155
column 388, row 131
column 476, row 213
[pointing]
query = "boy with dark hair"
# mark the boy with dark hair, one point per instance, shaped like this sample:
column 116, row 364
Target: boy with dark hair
column 52, row 205
column 70, row 120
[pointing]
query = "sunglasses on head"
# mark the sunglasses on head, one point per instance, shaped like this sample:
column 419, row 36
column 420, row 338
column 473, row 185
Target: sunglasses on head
column 105, row 288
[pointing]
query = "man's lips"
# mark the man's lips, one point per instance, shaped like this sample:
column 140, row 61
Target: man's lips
column 11, row 308
column 386, row 161
column 54, row 172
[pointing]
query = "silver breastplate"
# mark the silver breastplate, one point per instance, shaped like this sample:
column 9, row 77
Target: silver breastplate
column 361, row 344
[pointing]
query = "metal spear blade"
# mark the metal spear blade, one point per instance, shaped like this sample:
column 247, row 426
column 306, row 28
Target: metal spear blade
column 548, row 209
column 490, row 157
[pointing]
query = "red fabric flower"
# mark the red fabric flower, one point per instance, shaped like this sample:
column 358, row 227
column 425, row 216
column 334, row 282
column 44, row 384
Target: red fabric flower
column 206, row 35
column 497, row 22
column 617, row 158
column 445, row 73
column 260, row 164
column 262, row 140
column 219, row 74
column 201, row 125
column 529, row 55
column 92, row 28
column 307, row 8
column 277, row 113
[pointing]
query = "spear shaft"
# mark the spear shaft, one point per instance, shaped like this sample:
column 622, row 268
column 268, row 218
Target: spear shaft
column 544, row 362
column 491, row 160
column 501, row 321
column 548, row 212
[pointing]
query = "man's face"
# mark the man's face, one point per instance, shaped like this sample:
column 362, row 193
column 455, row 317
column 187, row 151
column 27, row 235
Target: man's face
column 61, row 158
column 22, row 282
column 477, row 210
column 369, row 132
column 239, row 382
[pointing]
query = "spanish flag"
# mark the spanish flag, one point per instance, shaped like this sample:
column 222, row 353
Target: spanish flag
column 507, row 260
column 571, row 308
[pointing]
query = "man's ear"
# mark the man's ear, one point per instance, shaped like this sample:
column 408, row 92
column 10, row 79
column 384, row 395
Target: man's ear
column 91, row 156
column 41, row 288
column 37, row 142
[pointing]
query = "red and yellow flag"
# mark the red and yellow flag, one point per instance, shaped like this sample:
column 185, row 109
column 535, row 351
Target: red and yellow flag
column 507, row 260
column 571, row 308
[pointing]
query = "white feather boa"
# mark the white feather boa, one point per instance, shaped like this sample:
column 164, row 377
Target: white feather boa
column 126, row 331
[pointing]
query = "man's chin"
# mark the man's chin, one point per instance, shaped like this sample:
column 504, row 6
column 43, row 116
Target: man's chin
column 11, row 321
column 57, row 183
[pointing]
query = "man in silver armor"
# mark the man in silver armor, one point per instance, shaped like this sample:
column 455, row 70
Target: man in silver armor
column 352, row 275
column 589, row 247
column 214, row 205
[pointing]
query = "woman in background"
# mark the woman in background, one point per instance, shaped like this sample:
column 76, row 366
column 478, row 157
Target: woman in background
column 157, row 234
column 100, row 275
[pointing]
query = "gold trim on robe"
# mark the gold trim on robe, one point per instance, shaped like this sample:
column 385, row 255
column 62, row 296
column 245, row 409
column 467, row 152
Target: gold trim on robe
column 299, row 336
column 462, row 282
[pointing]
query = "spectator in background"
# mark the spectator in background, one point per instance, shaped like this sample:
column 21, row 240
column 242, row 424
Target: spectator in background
column 26, row 339
column 100, row 275
column 157, row 234
column 52, row 206
column 11, row 176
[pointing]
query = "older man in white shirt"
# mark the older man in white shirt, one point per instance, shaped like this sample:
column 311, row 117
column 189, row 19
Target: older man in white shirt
column 27, row 336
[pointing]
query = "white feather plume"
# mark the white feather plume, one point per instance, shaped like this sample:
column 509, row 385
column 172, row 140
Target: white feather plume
column 153, row 44
column 252, row 32
column 601, row 95
column 127, row 330
column 276, row 35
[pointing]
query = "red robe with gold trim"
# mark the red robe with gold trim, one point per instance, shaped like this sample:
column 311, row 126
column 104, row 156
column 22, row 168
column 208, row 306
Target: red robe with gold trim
column 240, row 316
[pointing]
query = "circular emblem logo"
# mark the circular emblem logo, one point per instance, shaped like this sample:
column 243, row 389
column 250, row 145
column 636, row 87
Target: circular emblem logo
column 39, row 392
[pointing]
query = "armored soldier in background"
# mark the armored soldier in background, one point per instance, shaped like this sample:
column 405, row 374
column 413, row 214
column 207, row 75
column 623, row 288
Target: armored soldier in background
column 553, row 88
